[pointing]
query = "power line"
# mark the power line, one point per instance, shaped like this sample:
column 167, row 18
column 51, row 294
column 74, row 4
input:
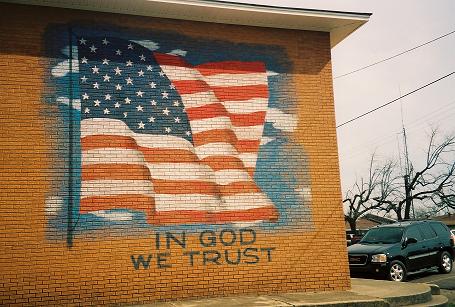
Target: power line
column 396, row 55
column 396, row 99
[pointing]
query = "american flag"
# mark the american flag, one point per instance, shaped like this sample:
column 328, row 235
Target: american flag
column 176, row 141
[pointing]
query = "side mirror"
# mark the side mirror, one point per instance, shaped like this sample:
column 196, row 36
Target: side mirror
column 408, row 241
column 411, row 240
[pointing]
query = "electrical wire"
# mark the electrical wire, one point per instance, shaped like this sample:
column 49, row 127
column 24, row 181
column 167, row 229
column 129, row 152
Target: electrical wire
column 394, row 56
column 395, row 100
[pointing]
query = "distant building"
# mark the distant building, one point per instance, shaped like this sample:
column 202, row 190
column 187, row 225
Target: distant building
column 369, row 220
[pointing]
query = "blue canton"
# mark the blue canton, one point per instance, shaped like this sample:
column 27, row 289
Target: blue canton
column 122, row 80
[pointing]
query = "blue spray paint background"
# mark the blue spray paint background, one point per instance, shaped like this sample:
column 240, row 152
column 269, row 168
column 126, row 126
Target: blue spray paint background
column 282, row 165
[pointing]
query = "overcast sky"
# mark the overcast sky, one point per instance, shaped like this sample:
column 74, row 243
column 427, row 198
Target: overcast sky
column 395, row 26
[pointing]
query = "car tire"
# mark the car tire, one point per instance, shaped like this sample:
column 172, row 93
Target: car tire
column 397, row 271
column 445, row 263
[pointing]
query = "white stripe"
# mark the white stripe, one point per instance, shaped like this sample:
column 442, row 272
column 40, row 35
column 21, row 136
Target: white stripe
column 112, row 156
column 245, row 201
column 178, row 73
column 248, row 132
column 227, row 176
column 116, row 187
column 169, row 202
column 248, row 159
column 228, row 80
column 181, row 171
column 201, row 125
column 100, row 126
column 215, row 149
column 198, row 99
column 246, row 106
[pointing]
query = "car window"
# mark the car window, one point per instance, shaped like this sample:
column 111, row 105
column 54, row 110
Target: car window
column 427, row 231
column 439, row 228
column 383, row 235
column 414, row 232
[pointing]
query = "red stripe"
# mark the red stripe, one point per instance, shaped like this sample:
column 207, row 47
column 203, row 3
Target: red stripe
column 235, row 93
column 206, row 111
column 127, row 201
column 230, row 67
column 191, row 86
column 268, row 213
column 171, row 60
column 251, row 119
column 247, row 145
column 179, row 217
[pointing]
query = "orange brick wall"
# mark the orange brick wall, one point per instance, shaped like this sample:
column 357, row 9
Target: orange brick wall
column 40, row 266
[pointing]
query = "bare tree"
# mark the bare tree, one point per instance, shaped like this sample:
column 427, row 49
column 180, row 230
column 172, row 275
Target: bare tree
column 365, row 194
column 431, row 184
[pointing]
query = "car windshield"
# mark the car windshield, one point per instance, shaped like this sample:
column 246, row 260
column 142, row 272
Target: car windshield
column 383, row 235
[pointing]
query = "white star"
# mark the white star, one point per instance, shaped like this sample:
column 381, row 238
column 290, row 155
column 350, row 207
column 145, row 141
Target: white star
column 93, row 48
column 106, row 62
column 176, row 103
column 84, row 60
column 152, row 84
column 165, row 94
column 127, row 100
column 149, row 67
column 85, row 96
column 153, row 102
column 172, row 86
column 107, row 97
column 118, row 52
column 141, row 125
column 125, row 114
column 84, row 79
column 117, row 104
column 105, row 41
column 118, row 87
column 188, row 133
column 129, row 63
column 152, row 119
column 96, row 70
column 166, row 111
column 106, row 111
column 168, row 130
column 142, row 57
column 82, row 41
column 129, row 80
column 96, row 85
column 130, row 46
column 97, row 103
column 140, row 108
column 177, row 119
column 118, row 71
column 140, row 93
column 86, row 110
column 141, row 73
column 162, row 73
column 107, row 78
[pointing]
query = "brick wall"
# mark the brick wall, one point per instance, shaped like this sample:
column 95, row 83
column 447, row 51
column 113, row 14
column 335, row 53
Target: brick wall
column 76, row 221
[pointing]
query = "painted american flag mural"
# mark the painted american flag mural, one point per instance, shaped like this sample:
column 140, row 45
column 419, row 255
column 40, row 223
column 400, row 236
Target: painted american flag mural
column 175, row 132
column 176, row 141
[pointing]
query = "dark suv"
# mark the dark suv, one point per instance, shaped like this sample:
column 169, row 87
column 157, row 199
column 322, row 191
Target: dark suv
column 394, row 250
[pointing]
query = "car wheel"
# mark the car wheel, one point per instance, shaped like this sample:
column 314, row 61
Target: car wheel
column 445, row 263
column 397, row 271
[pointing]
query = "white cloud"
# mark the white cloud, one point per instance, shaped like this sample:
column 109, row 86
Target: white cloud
column 178, row 52
column 66, row 101
column 53, row 205
column 114, row 216
column 271, row 73
column 148, row 44
column 280, row 120
column 266, row 139
column 62, row 68
column 304, row 192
